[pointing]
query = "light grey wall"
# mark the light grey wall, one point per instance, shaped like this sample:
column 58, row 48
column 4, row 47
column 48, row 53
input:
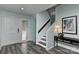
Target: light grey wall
column 0, row 28
column 10, row 22
column 65, row 11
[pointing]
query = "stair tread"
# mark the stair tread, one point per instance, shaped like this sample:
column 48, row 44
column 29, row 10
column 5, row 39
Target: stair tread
column 43, row 39
column 42, row 43
column 44, row 36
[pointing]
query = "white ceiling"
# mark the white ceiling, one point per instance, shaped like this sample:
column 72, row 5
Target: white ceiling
column 29, row 9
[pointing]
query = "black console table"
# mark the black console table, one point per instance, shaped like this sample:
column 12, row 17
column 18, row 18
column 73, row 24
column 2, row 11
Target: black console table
column 64, row 39
column 72, row 40
column 55, row 41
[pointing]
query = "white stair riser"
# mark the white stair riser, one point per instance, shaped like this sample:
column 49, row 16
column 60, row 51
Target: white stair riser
column 43, row 41
column 42, row 45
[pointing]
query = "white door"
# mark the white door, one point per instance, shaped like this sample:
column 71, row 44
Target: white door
column 24, row 30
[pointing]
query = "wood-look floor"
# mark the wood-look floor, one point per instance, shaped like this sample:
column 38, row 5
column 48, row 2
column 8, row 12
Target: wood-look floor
column 31, row 48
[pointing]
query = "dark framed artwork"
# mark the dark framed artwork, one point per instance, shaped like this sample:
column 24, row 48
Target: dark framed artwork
column 69, row 25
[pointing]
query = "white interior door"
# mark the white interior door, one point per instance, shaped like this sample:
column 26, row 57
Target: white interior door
column 24, row 30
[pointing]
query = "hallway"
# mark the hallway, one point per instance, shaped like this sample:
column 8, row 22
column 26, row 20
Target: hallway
column 31, row 48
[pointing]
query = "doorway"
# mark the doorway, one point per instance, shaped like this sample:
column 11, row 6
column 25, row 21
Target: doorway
column 24, row 31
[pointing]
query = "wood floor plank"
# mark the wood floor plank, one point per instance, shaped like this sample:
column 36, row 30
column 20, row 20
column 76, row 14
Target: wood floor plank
column 12, row 50
column 67, row 50
column 8, row 50
column 53, row 51
column 3, row 50
column 19, row 48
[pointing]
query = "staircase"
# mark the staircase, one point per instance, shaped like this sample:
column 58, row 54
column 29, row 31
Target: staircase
column 43, row 37
column 42, row 41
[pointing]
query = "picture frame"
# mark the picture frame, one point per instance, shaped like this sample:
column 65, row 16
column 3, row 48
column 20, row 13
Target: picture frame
column 69, row 25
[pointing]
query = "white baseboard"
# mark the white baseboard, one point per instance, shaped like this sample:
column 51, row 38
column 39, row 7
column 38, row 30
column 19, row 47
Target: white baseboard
column 10, row 43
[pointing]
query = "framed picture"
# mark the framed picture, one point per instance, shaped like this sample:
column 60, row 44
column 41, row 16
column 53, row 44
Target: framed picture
column 69, row 25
